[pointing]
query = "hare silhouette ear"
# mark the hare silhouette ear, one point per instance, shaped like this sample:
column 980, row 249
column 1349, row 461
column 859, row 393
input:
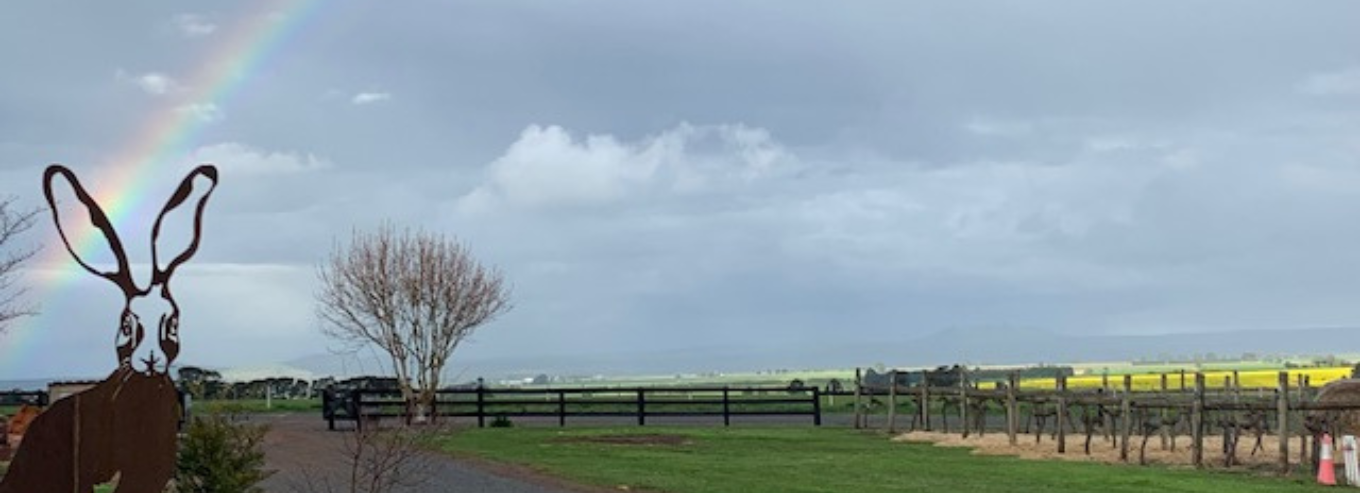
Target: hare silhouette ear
column 187, row 189
column 122, row 276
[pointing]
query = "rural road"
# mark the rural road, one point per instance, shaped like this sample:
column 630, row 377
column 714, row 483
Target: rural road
column 302, row 451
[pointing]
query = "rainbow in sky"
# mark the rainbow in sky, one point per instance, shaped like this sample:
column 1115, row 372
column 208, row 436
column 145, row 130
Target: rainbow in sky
column 120, row 184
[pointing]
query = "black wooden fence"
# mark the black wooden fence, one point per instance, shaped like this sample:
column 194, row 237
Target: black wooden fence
column 640, row 403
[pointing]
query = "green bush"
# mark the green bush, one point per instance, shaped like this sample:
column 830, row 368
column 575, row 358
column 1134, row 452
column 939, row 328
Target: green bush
column 218, row 455
column 501, row 422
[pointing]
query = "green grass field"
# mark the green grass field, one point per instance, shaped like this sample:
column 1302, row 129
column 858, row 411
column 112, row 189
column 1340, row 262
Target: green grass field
column 255, row 406
column 785, row 459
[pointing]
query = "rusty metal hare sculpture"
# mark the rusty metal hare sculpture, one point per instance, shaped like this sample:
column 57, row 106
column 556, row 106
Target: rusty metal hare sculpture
column 126, row 424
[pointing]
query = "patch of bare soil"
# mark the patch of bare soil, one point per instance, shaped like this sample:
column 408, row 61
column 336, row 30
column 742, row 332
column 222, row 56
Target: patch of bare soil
column 1103, row 450
column 650, row 439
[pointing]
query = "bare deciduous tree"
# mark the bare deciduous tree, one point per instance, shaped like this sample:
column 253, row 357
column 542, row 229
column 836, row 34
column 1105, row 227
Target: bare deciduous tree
column 12, row 223
column 414, row 295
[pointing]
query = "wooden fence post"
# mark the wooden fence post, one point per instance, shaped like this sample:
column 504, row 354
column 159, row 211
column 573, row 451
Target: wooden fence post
column 859, row 383
column 1062, row 413
column 963, row 401
column 1182, row 379
column 328, row 407
column 892, row 401
column 1307, row 451
column 925, row 399
column 1166, row 433
column 1012, row 411
column 1307, row 448
column 1197, row 422
column 816, row 406
column 561, row 408
column 481, row 406
column 1126, row 410
column 642, row 407
column 727, row 409
column 1282, row 410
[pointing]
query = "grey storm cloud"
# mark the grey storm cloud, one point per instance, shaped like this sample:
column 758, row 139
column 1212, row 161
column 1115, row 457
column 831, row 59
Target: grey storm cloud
column 683, row 174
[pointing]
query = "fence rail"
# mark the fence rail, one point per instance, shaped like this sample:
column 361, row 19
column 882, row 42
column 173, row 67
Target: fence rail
column 562, row 403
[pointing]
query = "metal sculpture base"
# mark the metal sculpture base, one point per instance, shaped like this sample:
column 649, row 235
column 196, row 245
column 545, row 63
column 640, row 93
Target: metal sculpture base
column 83, row 440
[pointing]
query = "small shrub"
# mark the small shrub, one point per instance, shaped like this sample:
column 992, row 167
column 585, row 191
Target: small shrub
column 218, row 455
column 501, row 422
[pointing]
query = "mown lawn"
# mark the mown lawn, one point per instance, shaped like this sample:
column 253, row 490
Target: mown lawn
column 256, row 406
column 805, row 459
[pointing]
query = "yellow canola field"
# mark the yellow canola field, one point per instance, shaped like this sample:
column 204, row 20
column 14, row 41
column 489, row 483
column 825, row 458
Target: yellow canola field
column 1317, row 377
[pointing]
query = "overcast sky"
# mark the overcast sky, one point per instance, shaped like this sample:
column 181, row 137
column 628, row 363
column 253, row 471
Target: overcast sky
column 656, row 175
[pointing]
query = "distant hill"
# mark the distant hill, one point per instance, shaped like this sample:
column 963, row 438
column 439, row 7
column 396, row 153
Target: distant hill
column 985, row 346
column 976, row 346
column 32, row 384
column 246, row 374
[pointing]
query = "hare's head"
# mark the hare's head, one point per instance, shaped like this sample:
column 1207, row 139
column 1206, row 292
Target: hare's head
column 148, row 329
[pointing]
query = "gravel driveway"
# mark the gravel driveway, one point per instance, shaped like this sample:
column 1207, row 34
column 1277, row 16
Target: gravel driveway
column 299, row 447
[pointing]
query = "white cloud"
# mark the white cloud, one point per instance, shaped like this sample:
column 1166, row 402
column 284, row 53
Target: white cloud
column 1339, row 83
column 370, row 97
column 280, row 308
column 153, row 83
column 1209, row 208
column 240, row 158
column 1181, row 159
column 204, row 112
column 993, row 127
column 1315, row 179
column 548, row 166
column 194, row 25
column 1111, row 143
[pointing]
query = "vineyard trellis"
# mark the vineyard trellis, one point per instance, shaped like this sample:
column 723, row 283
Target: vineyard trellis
column 1121, row 415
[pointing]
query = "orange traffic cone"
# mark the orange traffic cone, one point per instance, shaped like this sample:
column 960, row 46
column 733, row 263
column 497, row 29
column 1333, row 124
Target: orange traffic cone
column 1326, row 470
